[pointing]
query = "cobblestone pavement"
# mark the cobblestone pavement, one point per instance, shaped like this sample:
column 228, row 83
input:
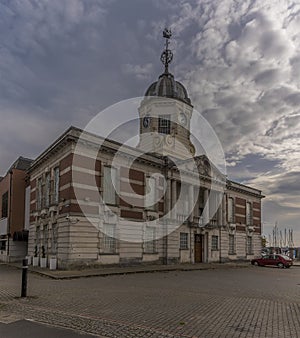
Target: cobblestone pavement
column 243, row 302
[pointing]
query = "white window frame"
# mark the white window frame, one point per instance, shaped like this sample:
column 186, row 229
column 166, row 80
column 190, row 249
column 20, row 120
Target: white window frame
column 230, row 210
column 249, row 245
column 184, row 240
column 109, row 185
column 214, row 243
column 47, row 189
column 231, row 244
column 249, row 213
column 150, row 194
column 39, row 193
column 109, row 239
column 149, row 240
column 56, row 174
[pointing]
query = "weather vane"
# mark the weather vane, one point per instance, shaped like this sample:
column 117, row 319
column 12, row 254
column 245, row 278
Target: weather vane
column 167, row 55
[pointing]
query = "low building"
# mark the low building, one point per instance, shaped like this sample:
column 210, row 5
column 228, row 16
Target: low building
column 14, row 211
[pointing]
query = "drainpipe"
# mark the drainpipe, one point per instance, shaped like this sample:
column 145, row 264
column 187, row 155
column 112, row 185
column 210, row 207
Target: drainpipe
column 220, row 246
column 165, row 171
column 10, row 211
column 191, row 244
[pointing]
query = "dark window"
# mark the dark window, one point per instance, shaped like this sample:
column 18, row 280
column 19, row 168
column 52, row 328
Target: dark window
column 4, row 205
column 164, row 124
column 2, row 245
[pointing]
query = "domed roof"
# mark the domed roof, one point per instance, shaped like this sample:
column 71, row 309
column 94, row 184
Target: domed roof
column 166, row 86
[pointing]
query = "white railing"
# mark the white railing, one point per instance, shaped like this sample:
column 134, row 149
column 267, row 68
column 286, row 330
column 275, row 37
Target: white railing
column 182, row 217
column 3, row 226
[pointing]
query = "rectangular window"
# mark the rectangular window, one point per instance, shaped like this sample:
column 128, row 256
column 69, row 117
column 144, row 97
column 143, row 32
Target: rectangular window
column 149, row 240
column 183, row 240
column 183, row 203
column 2, row 245
column 150, row 199
column 56, row 185
column 248, row 214
column 164, row 124
column 230, row 210
column 54, row 239
column 214, row 242
column 109, row 238
column 39, row 194
column 249, row 246
column 4, row 205
column 47, row 190
column 109, row 183
column 231, row 245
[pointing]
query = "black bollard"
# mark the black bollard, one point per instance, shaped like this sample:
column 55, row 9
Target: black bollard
column 24, row 278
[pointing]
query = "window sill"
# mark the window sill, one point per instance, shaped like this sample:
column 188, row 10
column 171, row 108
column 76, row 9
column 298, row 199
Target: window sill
column 108, row 253
column 183, row 249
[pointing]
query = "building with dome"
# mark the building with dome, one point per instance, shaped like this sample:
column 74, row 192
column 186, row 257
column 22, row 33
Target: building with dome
column 95, row 201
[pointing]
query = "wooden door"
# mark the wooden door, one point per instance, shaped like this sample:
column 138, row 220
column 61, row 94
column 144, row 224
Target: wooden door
column 198, row 248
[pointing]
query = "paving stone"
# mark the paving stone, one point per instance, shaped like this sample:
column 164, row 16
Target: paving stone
column 249, row 302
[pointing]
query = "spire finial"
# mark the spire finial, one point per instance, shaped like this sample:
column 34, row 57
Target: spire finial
column 167, row 55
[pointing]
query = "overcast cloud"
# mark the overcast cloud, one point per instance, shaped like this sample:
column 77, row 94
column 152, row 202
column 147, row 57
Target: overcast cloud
column 62, row 61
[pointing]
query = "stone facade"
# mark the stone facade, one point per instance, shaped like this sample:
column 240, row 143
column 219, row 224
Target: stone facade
column 95, row 201
column 69, row 218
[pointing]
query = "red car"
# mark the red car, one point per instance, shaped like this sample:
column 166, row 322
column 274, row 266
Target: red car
column 279, row 260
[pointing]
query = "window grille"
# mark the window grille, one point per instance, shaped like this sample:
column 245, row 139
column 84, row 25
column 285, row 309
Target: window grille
column 164, row 124
column 183, row 240
column 109, row 240
column 214, row 242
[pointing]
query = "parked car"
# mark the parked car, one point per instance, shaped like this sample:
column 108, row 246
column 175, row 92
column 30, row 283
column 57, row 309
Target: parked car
column 282, row 261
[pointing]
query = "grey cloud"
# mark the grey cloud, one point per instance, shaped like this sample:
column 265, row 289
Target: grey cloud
column 268, row 77
column 63, row 61
column 293, row 99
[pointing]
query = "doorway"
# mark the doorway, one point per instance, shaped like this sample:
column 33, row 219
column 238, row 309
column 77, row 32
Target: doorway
column 198, row 248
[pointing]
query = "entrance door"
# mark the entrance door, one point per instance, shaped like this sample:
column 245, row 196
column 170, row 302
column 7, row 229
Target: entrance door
column 198, row 248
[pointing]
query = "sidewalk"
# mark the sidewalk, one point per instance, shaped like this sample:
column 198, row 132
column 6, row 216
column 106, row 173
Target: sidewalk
column 118, row 270
column 109, row 271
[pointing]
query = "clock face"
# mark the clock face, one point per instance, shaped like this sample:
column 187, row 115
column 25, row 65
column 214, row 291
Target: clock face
column 146, row 121
column 182, row 119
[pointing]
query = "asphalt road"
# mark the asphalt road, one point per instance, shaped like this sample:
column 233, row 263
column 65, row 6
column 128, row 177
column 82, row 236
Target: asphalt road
column 29, row 329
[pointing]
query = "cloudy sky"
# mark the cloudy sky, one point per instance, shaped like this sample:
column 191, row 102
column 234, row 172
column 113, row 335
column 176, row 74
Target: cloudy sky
column 62, row 61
